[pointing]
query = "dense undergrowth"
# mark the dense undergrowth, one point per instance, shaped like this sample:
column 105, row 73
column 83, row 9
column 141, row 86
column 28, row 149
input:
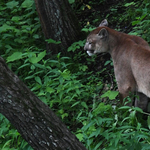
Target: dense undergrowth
column 82, row 93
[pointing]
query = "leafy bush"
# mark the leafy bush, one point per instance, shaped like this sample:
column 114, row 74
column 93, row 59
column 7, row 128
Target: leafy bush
column 19, row 29
column 141, row 21
column 113, row 128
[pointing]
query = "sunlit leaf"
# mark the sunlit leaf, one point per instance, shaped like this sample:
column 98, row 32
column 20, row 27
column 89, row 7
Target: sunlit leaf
column 88, row 6
column 129, row 4
column 36, row 59
column 14, row 56
column 79, row 136
column 110, row 94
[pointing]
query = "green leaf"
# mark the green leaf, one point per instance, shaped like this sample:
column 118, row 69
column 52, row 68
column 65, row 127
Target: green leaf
column 52, row 41
column 16, row 18
column 27, row 3
column 88, row 29
column 12, row 4
column 76, row 45
column 38, row 79
column 107, row 62
column 6, row 27
column 35, row 59
column 129, row 4
column 138, row 109
column 125, row 107
column 110, row 94
column 102, row 108
column 79, row 136
column 135, row 22
column 76, row 103
column 71, row 1
column 50, row 90
column 84, row 105
column 14, row 56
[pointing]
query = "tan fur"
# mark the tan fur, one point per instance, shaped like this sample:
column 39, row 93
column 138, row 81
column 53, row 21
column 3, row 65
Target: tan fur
column 131, row 60
column 136, row 39
column 142, row 100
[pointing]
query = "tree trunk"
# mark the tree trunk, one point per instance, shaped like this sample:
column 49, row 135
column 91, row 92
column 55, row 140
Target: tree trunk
column 37, row 124
column 58, row 23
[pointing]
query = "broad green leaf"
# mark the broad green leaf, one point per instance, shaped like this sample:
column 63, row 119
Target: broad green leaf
column 138, row 109
column 110, row 94
column 71, row 1
column 41, row 55
column 36, row 36
column 38, row 79
column 12, row 4
column 6, row 27
column 79, row 136
column 16, row 18
column 136, row 22
column 36, row 59
column 101, row 108
column 27, row 3
column 14, row 56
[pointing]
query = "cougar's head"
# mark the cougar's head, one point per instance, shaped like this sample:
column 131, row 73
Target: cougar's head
column 97, row 41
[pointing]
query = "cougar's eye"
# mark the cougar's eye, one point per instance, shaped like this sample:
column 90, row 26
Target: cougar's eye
column 90, row 42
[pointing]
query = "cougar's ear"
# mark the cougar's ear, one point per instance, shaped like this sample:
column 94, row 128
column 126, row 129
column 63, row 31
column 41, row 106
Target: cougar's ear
column 104, row 23
column 103, row 34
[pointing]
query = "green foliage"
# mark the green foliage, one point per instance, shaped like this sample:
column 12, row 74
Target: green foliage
column 110, row 94
column 76, row 45
column 107, row 128
column 20, row 28
column 20, row 32
column 10, row 138
column 52, row 41
column 141, row 21
column 88, row 29
column 79, row 94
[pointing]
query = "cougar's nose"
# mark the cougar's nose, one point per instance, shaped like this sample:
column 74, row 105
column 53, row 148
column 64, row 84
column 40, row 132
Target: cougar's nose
column 85, row 48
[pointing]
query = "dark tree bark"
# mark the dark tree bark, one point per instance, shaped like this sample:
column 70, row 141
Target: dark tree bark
column 37, row 124
column 58, row 23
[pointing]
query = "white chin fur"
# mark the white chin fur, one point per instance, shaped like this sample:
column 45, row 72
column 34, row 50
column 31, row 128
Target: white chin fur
column 90, row 54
